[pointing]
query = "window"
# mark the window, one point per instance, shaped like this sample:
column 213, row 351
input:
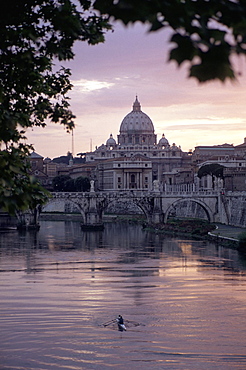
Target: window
column 34, row 164
column 119, row 179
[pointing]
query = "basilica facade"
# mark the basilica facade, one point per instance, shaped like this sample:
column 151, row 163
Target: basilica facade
column 137, row 158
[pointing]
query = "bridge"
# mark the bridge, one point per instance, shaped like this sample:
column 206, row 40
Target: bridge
column 156, row 205
column 217, row 205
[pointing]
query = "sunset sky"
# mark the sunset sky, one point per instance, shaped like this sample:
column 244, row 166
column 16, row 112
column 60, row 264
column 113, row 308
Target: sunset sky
column 107, row 78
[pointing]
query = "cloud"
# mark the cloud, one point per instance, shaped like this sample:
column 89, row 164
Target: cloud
column 84, row 85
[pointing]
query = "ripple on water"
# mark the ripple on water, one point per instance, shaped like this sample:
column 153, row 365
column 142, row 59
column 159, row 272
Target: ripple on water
column 190, row 302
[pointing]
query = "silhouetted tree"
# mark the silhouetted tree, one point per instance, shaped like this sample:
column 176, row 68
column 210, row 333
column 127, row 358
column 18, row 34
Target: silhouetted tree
column 35, row 33
column 66, row 183
column 213, row 169
column 61, row 183
column 205, row 33
column 82, row 184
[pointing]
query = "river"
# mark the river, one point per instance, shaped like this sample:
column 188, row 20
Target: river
column 183, row 301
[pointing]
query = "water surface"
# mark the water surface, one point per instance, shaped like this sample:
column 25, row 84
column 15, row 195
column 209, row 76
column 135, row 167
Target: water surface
column 59, row 286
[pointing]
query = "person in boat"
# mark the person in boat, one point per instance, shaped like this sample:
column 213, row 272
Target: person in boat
column 120, row 322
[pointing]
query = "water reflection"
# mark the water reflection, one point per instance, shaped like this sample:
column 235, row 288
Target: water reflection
column 58, row 285
column 128, row 243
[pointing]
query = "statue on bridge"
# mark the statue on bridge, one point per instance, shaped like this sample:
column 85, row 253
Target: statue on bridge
column 156, row 185
column 218, row 183
column 92, row 189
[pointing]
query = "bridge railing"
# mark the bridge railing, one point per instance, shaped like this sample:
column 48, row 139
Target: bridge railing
column 144, row 193
column 192, row 193
column 138, row 193
column 236, row 193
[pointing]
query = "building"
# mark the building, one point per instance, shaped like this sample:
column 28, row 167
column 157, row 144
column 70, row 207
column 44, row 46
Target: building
column 217, row 152
column 37, row 168
column 232, row 158
column 36, row 162
column 240, row 150
column 138, row 158
column 235, row 178
column 125, row 173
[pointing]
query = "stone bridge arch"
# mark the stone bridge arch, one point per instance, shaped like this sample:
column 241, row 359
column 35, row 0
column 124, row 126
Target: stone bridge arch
column 156, row 206
column 61, row 201
column 110, row 201
column 204, row 206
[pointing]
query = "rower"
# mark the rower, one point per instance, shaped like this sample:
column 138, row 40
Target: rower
column 120, row 322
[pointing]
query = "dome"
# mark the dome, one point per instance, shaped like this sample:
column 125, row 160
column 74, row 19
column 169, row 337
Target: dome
column 35, row 155
column 111, row 141
column 163, row 141
column 137, row 121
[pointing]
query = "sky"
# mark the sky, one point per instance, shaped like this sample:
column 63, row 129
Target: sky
column 107, row 77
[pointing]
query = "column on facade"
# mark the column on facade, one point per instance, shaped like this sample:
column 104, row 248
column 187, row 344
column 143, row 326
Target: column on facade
column 138, row 181
column 141, row 180
column 210, row 183
column 115, row 180
column 125, row 179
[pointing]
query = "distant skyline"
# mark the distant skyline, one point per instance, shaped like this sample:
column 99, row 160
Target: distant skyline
column 107, row 77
